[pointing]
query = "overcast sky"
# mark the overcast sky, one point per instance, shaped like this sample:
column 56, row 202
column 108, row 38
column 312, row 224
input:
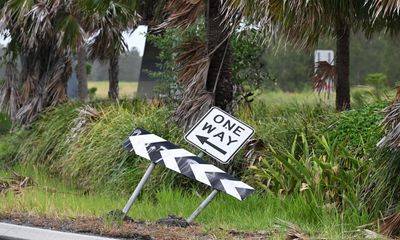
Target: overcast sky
column 137, row 39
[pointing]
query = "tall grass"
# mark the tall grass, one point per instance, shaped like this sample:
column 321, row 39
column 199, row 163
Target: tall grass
column 52, row 197
column 96, row 159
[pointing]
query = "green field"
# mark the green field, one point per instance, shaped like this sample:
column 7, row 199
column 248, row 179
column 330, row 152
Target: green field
column 126, row 89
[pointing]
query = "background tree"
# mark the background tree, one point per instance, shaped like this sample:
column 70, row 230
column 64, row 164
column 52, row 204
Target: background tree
column 42, row 33
column 106, row 23
column 81, row 73
column 45, row 34
column 205, row 61
column 306, row 22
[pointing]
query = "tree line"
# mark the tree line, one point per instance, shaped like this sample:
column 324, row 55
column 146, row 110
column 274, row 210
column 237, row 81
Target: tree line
column 46, row 34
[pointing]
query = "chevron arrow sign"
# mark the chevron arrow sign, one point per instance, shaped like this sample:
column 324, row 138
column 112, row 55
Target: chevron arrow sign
column 163, row 152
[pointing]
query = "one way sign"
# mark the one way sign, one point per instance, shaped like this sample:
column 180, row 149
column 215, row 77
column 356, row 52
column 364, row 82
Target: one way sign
column 219, row 134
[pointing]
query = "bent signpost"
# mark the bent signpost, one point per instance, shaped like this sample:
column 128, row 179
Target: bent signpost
column 232, row 134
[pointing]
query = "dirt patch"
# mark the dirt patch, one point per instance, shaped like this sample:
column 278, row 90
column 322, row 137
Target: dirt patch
column 129, row 229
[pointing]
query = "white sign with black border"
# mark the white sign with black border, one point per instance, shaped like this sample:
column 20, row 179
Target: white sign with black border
column 219, row 134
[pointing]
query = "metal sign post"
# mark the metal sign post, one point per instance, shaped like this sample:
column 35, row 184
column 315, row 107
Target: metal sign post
column 203, row 205
column 138, row 188
column 162, row 152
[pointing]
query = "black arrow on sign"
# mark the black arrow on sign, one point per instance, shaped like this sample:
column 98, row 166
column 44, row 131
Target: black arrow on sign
column 205, row 140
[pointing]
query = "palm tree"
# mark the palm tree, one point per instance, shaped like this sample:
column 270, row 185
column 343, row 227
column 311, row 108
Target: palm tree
column 305, row 22
column 205, row 65
column 41, row 33
column 44, row 34
column 81, row 73
column 106, row 22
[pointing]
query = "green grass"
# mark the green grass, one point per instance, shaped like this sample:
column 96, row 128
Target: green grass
column 360, row 95
column 52, row 197
column 5, row 123
column 279, row 98
column 126, row 89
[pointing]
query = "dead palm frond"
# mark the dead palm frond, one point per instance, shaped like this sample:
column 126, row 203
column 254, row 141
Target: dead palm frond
column 294, row 232
column 391, row 124
column 325, row 74
column 194, row 64
column 182, row 13
column 390, row 225
column 87, row 114
column 16, row 183
column 9, row 96
column 254, row 151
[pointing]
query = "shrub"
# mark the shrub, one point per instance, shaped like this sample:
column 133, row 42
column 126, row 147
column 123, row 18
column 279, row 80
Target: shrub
column 359, row 129
column 377, row 80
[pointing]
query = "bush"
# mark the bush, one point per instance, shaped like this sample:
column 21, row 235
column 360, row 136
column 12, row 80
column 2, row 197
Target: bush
column 377, row 80
column 359, row 129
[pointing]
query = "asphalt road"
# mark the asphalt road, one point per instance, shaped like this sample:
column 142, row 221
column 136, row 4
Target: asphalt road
column 17, row 232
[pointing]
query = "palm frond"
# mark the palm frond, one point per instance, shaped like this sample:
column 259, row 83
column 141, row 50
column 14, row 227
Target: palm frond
column 385, row 7
column 324, row 74
column 9, row 96
column 390, row 225
column 391, row 124
column 106, row 25
column 182, row 13
column 194, row 64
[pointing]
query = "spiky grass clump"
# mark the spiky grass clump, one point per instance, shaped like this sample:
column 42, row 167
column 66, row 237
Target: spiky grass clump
column 96, row 159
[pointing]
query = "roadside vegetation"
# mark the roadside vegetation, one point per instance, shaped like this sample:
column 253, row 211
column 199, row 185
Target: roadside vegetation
column 310, row 166
column 323, row 166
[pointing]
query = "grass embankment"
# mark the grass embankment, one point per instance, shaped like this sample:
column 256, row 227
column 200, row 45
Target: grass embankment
column 100, row 174
column 126, row 89
column 52, row 197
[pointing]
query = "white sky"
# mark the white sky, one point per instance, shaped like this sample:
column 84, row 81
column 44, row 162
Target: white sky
column 137, row 39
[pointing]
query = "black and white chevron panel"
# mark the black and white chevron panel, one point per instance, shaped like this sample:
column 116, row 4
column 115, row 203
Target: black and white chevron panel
column 161, row 151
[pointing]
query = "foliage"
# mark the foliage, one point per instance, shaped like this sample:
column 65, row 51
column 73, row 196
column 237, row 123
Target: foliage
column 96, row 158
column 248, row 66
column 381, row 190
column 168, row 42
column 359, row 129
column 9, row 146
column 377, row 80
column 320, row 175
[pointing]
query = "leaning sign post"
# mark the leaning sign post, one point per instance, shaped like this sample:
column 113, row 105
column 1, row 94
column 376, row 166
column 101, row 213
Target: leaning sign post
column 218, row 134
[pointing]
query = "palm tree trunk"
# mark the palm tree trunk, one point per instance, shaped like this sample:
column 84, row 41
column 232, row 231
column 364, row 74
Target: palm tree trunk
column 113, row 78
column 342, row 66
column 219, row 79
column 81, row 73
